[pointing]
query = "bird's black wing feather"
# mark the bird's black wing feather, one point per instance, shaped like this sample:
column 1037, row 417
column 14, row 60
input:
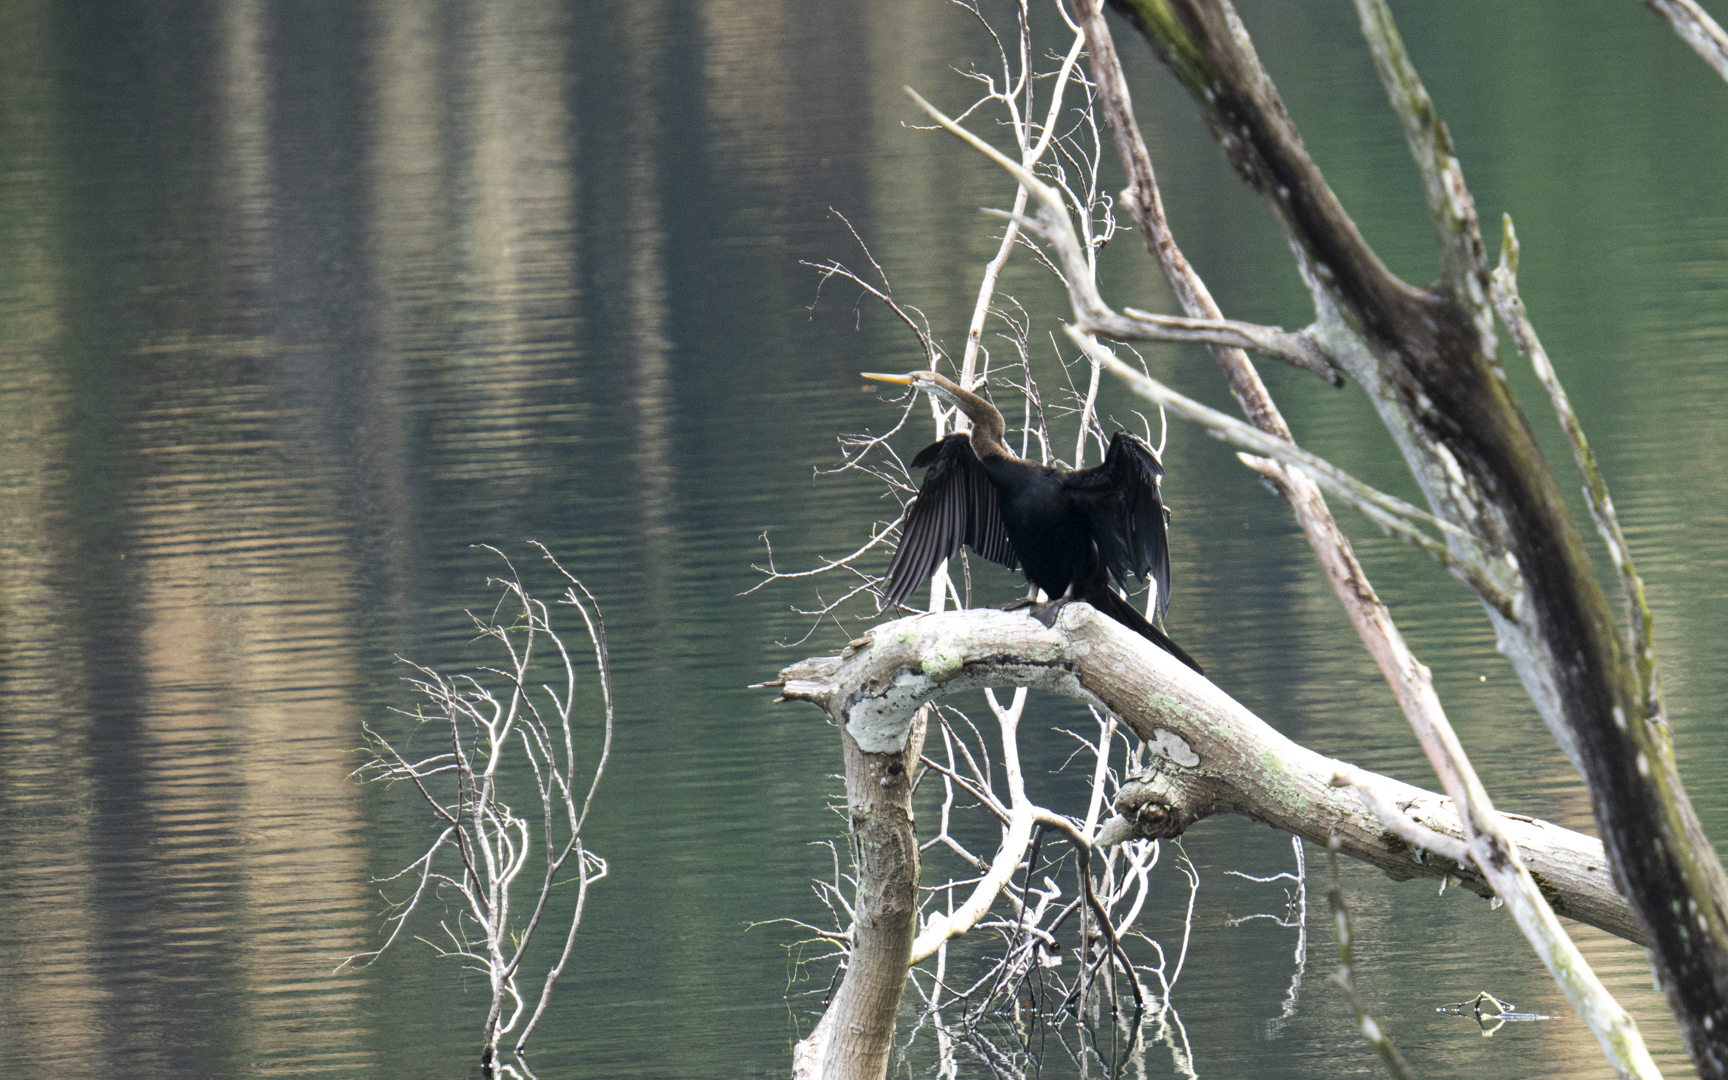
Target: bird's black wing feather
column 956, row 505
column 1125, row 513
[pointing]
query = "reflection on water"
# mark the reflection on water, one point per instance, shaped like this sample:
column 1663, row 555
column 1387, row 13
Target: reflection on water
column 300, row 302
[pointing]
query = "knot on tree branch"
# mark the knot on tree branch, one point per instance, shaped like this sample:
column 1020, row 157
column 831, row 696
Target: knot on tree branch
column 1157, row 806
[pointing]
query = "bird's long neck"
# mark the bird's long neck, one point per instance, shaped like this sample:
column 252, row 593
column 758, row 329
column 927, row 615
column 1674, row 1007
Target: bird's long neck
column 988, row 427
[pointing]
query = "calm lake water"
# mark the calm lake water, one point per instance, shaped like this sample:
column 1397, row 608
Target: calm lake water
column 301, row 302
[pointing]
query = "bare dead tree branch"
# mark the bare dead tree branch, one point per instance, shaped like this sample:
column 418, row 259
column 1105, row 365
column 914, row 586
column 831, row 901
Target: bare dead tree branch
column 1361, row 313
column 532, row 723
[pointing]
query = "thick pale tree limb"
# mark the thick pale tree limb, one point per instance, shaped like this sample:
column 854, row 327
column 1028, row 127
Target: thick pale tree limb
column 1214, row 756
column 885, row 848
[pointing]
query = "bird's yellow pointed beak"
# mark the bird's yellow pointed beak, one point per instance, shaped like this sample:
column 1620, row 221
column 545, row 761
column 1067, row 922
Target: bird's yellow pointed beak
column 902, row 380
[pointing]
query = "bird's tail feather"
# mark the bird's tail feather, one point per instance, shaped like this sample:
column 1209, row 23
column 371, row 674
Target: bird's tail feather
column 1125, row 613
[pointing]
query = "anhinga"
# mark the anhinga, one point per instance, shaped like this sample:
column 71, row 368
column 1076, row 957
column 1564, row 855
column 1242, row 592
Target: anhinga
column 1072, row 531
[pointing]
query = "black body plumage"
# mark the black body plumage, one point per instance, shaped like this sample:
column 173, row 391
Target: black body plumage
column 1073, row 532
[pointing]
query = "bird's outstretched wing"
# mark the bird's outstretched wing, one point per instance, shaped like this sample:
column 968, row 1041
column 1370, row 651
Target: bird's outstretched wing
column 1125, row 513
column 956, row 505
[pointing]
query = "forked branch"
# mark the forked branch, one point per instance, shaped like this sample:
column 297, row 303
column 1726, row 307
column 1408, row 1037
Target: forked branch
column 530, row 721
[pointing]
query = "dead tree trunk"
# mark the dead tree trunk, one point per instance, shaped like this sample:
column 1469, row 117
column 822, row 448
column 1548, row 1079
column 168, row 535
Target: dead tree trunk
column 857, row 1032
column 1428, row 359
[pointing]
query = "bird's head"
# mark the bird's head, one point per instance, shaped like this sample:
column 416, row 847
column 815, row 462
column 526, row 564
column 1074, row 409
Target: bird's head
column 927, row 381
column 987, row 425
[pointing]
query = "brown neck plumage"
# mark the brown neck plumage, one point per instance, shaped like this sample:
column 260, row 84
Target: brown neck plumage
column 988, row 428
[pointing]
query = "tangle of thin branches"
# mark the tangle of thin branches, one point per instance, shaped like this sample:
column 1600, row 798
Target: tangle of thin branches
column 500, row 732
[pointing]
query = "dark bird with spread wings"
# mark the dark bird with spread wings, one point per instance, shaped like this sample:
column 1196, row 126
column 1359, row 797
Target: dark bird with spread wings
column 1073, row 532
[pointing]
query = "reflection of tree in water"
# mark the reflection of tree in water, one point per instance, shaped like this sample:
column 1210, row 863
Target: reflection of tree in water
column 1295, row 917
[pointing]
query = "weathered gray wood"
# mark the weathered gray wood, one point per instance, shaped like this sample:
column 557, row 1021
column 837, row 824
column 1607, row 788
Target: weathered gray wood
column 1214, row 755
column 1428, row 359
column 885, row 850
